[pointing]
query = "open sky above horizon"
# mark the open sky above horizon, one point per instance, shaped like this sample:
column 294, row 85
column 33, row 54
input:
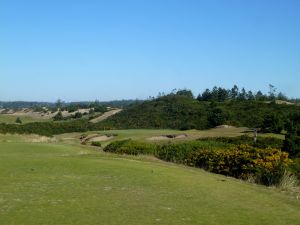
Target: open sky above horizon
column 86, row 50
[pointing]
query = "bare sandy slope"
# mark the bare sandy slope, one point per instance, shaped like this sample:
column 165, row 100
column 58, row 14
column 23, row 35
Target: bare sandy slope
column 30, row 113
column 106, row 115
column 41, row 115
column 66, row 113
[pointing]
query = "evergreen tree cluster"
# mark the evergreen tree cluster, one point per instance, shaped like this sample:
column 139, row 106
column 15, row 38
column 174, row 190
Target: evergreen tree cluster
column 235, row 93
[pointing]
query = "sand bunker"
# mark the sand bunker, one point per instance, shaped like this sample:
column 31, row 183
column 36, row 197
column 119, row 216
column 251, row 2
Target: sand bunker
column 181, row 136
column 41, row 139
column 168, row 137
column 92, row 138
column 158, row 138
column 101, row 138
column 225, row 126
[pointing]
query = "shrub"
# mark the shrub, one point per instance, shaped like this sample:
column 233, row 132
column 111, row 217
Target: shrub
column 288, row 181
column 266, row 165
column 272, row 123
column 291, row 145
column 96, row 143
column 18, row 120
column 131, row 147
column 58, row 116
column 216, row 116
column 180, row 152
column 111, row 135
column 262, row 142
column 77, row 115
column 295, row 167
column 100, row 108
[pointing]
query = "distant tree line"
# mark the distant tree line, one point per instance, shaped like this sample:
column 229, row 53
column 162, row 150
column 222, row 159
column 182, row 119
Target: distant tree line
column 23, row 104
column 220, row 94
column 235, row 93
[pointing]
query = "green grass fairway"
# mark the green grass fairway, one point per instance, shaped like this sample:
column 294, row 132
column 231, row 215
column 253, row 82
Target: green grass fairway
column 145, row 134
column 44, row 183
column 142, row 134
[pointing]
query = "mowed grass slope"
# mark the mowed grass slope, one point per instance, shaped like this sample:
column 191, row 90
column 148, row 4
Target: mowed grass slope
column 62, row 184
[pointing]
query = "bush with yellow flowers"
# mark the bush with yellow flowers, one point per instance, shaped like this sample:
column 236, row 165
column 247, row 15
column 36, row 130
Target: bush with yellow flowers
column 243, row 161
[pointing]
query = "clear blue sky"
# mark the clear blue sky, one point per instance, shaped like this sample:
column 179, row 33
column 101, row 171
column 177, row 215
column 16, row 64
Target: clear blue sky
column 93, row 49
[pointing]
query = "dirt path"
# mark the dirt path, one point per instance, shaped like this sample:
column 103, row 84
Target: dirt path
column 105, row 115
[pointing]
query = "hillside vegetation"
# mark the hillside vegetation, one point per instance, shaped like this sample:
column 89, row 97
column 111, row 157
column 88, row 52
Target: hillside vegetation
column 183, row 112
column 177, row 112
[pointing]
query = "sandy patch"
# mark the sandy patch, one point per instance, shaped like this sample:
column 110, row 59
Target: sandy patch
column 40, row 115
column 181, row 136
column 106, row 115
column 168, row 137
column 158, row 138
column 280, row 102
column 97, row 138
column 83, row 111
column 41, row 139
column 66, row 113
column 10, row 111
column 225, row 126
column 101, row 138
column 30, row 113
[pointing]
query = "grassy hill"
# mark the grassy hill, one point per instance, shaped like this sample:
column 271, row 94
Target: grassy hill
column 183, row 112
column 165, row 112
column 65, row 184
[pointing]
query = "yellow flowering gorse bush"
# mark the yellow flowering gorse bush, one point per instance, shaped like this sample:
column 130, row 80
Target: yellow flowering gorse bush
column 242, row 162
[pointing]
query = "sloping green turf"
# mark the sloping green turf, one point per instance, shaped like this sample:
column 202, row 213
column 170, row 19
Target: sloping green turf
column 62, row 184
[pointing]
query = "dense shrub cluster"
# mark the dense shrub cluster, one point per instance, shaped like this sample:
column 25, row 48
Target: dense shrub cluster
column 130, row 147
column 183, row 112
column 176, row 152
column 291, row 145
column 177, row 112
column 266, row 166
column 295, row 167
column 96, row 143
column 262, row 142
column 243, row 161
column 180, row 152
